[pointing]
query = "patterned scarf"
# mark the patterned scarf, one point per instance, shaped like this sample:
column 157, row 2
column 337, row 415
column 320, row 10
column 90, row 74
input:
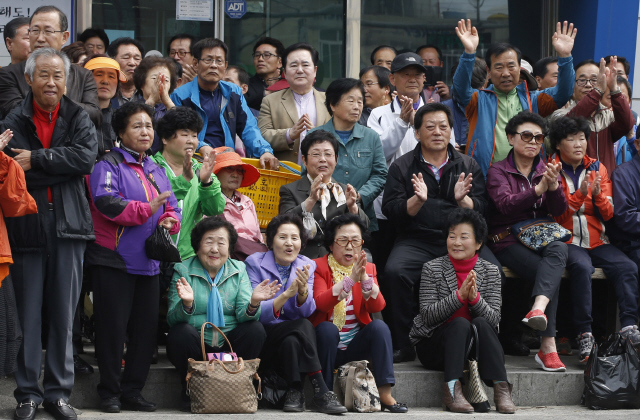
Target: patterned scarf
column 325, row 199
column 339, row 272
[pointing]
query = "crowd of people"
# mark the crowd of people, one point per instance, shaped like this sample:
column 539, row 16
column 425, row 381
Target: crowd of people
column 413, row 197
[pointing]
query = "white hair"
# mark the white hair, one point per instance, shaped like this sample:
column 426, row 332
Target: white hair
column 30, row 67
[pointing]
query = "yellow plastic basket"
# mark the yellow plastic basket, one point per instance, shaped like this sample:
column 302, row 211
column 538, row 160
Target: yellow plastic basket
column 265, row 193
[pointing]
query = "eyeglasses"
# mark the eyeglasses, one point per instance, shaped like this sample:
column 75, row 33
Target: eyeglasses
column 527, row 136
column 219, row 62
column 583, row 82
column 327, row 155
column 180, row 53
column 47, row 32
column 355, row 242
column 369, row 84
column 265, row 55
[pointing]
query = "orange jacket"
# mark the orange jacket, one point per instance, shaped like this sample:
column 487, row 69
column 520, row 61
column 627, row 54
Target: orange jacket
column 585, row 214
column 325, row 301
column 14, row 201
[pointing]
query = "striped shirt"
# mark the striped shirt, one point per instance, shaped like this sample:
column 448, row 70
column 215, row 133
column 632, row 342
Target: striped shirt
column 351, row 326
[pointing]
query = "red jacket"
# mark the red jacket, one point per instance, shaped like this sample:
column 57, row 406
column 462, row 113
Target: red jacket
column 581, row 217
column 325, row 301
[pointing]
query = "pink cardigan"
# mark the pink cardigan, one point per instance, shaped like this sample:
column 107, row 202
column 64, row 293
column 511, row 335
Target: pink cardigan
column 244, row 219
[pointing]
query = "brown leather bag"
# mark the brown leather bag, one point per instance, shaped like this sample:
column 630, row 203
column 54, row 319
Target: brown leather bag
column 217, row 387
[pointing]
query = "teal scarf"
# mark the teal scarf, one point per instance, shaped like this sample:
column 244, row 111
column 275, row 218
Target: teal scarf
column 215, row 315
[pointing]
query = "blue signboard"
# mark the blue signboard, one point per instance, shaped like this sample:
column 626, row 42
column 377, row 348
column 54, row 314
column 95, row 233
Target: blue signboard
column 235, row 9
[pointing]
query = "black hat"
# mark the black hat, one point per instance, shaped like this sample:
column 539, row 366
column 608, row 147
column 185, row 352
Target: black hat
column 405, row 60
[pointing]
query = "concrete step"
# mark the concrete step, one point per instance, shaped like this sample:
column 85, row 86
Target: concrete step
column 416, row 386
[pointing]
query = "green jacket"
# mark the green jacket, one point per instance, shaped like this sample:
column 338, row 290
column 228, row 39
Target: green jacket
column 195, row 201
column 361, row 163
column 235, row 290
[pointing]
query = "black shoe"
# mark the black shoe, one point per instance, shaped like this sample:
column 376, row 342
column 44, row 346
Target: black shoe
column 407, row 354
column 514, row 347
column 327, row 403
column 26, row 410
column 294, row 401
column 531, row 339
column 395, row 408
column 60, row 410
column 80, row 366
column 111, row 405
column 137, row 404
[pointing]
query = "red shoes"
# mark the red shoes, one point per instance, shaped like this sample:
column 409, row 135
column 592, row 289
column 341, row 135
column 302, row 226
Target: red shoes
column 550, row 362
column 536, row 319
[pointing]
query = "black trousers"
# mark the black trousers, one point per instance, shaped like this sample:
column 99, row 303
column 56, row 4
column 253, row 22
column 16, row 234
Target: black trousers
column 403, row 271
column 446, row 350
column 124, row 303
column 291, row 349
column 183, row 343
column 544, row 272
column 372, row 342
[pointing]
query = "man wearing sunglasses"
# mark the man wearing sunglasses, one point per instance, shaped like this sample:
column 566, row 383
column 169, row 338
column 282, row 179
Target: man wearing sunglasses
column 267, row 59
column 488, row 110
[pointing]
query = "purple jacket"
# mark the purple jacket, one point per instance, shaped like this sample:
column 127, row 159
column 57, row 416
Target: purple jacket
column 262, row 266
column 514, row 199
column 121, row 211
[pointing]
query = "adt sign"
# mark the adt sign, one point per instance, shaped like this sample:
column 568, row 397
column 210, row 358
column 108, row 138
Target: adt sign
column 235, row 9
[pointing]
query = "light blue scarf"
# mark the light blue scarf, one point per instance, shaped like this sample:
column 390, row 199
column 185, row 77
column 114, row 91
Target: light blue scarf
column 215, row 315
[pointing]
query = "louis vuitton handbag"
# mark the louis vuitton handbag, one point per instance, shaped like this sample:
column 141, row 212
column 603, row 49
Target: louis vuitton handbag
column 218, row 387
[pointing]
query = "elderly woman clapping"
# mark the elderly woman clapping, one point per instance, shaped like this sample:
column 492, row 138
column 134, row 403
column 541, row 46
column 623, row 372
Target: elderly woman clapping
column 458, row 293
column 291, row 340
column 317, row 197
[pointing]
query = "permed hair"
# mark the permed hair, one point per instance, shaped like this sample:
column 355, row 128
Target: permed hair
column 337, row 222
column 318, row 136
column 121, row 117
column 338, row 88
column 564, row 126
column 285, row 219
column 178, row 118
column 149, row 63
column 207, row 225
column 525, row 117
column 462, row 215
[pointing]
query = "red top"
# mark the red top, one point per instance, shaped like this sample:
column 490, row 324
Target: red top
column 45, row 123
column 463, row 267
column 325, row 301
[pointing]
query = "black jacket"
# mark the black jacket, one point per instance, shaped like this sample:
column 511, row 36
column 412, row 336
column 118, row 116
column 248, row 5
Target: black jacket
column 62, row 167
column 255, row 93
column 81, row 89
column 428, row 223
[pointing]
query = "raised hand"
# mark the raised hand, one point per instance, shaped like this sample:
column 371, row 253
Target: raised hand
column 159, row 201
column 584, row 185
column 304, row 123
column 603, row 73
column 187, row 166
column 419, row 187
column 188, row 73
column 564, row 38
column 407, row 112
column 208, row 162
column 463, row 291
column 596, row 187
column 163, row 91
column 185, row 292
column 4, row 138
column 443, row 90
column 352, row 198
column 302, row 277
column 612, row 75
column 468, row 36
column 315, row 192
column 264, row 291
column 462, row 187
column 359, row 269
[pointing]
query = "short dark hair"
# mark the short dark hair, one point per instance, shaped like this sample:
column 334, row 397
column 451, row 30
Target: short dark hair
column 381, row 47
column 541, row 67
column 479, row 73
column 301, row 46
column 275, row 43
column 428, row 109
column 584, row 63
column 623, row 81
column 112, row 51
column 149, row 63
column 525, row 117
column 64, row 23
column 318, row 136
column 192, row 40
column 499, row 48
column 123, row 114
column 564, row 126
column 423, row 47
column 178, row 118
column 74, row 51
column 621, row 59
column 337, row 222
column 462, row 215
column 285, row 219
column 95, row 32
column 212, row 223
column 178, row 67
column 207, row 44
column 243, row 76
column 381, row 73
column 338, row 88
column 11, row 28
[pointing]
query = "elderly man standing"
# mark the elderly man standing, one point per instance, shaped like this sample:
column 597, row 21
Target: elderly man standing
column 221, row 105
column 55, row 143
column 286, row 116
column 48, row 28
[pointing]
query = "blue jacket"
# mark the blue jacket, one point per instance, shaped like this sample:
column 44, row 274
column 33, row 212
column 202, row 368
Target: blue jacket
column 481, row 136
column 235, row 115
column 626, row 200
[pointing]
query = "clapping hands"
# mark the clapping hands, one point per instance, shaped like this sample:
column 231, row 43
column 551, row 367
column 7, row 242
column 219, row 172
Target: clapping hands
column 469, row 290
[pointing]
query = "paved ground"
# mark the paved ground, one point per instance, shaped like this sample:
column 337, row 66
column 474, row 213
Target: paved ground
column 534, row 413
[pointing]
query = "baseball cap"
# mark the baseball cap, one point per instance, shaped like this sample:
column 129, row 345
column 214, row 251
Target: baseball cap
column 105, row 63
column 405, row 60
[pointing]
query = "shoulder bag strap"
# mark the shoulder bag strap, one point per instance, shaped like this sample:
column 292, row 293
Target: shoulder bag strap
column 348, row 389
